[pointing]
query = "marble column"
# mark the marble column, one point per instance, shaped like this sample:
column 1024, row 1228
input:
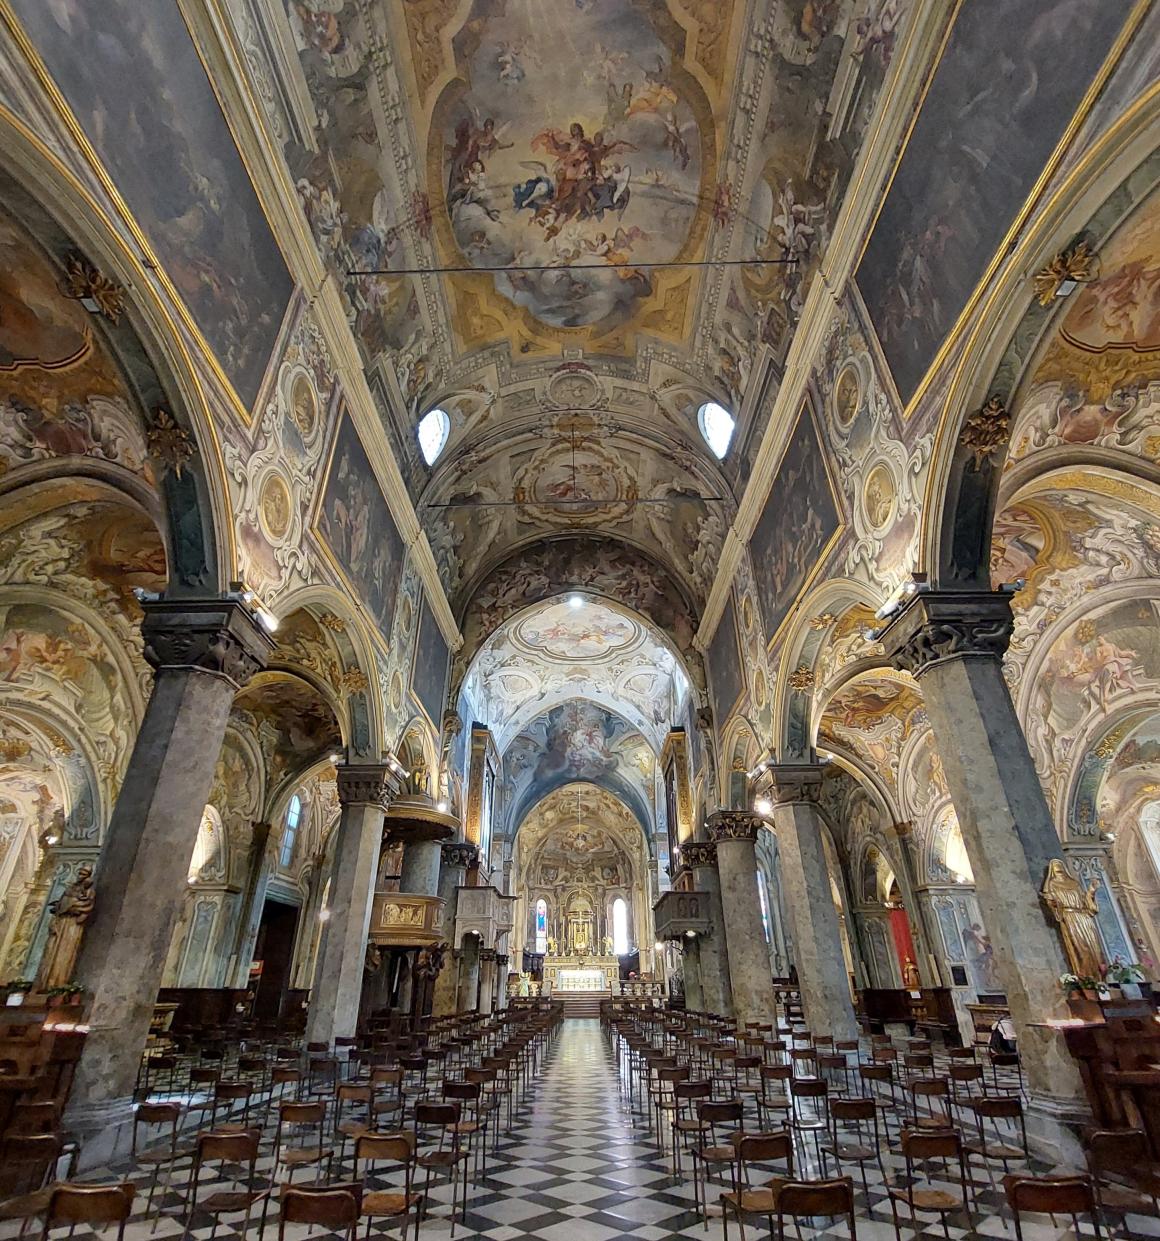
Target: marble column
column 420, row 871
column 253, row 901
column 468, row 998
column 456, row 857
column 203, row 652
column 713, row 948
column 691, row 973
column 486, row 979
column 735, row 834
column 817, row 937
column 364, row 792
column 502, row 961
column 954, row 642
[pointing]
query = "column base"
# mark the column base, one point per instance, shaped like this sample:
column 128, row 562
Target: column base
column 104, row 1131
column 1054, row 1128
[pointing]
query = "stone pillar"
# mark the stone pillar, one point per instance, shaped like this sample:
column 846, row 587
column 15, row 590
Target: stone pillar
column 457, row 857
column 468, row 997
column 927, row 938
column 821, row 967
column 253, row 901
column 502, row 960
column 712, row 949
column 691, row 974
column 735, row 834
column 202, row 651
column 364, row 791
column 953, row 642
column 486, row 979
column 420, row 872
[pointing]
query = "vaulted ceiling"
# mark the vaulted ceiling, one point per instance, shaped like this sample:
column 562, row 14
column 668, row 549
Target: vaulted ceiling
column 538, row 214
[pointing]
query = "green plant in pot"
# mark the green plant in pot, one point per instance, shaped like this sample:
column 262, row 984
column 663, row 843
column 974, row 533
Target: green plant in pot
column 1080, row 986
column 69, row 994
column 1127, row 976
column 16, row 990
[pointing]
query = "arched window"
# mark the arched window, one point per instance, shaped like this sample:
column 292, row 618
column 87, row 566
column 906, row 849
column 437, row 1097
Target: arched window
column 541, row 925
column 716, row 424
column 619, row 927
column 763, row 898
column 290, row 830
column 434, row 428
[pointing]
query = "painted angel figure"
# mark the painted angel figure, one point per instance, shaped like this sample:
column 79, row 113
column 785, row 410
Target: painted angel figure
column 675, row 140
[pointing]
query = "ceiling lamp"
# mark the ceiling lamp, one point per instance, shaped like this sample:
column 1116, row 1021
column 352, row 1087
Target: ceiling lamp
column 716, row 424
column 575, row 601
column 434, row 428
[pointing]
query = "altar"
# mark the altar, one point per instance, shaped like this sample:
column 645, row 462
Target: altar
column 581, row 973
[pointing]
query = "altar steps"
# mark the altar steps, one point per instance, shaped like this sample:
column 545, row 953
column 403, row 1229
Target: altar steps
column 582, row 1004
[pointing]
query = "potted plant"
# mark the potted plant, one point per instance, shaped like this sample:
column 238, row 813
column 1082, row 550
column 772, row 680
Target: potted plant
column 16, row 990
column 1127, row 976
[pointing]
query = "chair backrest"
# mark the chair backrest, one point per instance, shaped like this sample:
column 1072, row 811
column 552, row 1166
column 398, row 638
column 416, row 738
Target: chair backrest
column 354, row 1092
column 777, row 1072
column 157, row 1113
column 876, row 1072
column 90, row 1204
column 930, row 1087
column 715, row 1112
column 34, row 1151
column 965, row 1072
column 233, row 1090
column 853, row 1109
column 809, row 1087
column 294, row 1113
column 41, row 1117
column 809, row 1198
column 931, row 1144
column 693, row 1090
column 763, row 1147
column 999, row 1107
column 436, row 1114
column 1117, row 1150
column 399, row 1147
column 239, row 1147
column 1065, row 1195
column 462, row 1090
column 332, row 1206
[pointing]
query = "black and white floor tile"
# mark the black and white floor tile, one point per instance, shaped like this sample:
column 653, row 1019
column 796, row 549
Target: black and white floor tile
column 581, row 1164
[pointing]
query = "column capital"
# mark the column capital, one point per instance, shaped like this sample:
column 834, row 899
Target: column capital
column 217, row 636
column 366, row 784
column 699, row 853
column 939, row 625
column 735, row 825
column 790, row 783
column 459, row 853
column 502, row 958
column 487, row 954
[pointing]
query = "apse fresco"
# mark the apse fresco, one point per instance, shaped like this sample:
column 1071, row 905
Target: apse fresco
column 583, row 190
column 996, row 109
column 358, row 527
column 1091, row 382
column 429, row 666
column 132, row 76
column 724, row 661
column 799, row 519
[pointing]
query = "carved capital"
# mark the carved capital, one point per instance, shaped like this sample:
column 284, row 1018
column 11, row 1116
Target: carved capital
column 459, row 853
column 735, row 825
column 935, row 627
column 366, row 784
column 699, row 853
column 216, row 636
column 502, row 958
column 487, row 954
column 452, row 724
column 790, row 783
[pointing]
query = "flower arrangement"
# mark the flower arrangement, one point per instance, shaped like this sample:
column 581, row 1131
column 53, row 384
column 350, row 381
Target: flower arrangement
column 69, row 993
column 1076, row 984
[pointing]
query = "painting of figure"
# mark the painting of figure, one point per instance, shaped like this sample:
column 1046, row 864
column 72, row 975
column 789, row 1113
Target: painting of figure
column 358, row 527
column 726, row 678
column 996, row 109
column 429, row 666
column 133, row 78
column 799, row 519
column 580, row 202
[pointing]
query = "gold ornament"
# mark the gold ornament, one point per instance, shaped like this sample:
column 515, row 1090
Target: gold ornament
column 801, row 680
column 169, row 443
column 92, row 288
column 1076, row 265
column 985, row 431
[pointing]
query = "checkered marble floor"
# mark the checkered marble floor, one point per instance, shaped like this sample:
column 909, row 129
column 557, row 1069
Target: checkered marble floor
column 580, row 1164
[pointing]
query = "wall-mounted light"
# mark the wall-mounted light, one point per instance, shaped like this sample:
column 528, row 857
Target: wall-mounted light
column 691, row 934
column 241, row 593
column 764, row 807
column 335, row 759
column 441, row 807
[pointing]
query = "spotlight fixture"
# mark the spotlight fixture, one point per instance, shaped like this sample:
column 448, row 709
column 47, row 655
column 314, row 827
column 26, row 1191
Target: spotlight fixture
column 691, row 934
column 764, row 807
column 441, row 807
column 241, row 593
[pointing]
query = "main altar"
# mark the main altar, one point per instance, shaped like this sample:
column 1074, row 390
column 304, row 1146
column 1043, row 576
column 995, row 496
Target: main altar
column 581, row 973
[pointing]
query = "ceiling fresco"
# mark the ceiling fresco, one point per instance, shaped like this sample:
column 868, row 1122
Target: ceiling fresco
column 579, row 741
column 559, row 651
column 510, row 192
column 580, row 830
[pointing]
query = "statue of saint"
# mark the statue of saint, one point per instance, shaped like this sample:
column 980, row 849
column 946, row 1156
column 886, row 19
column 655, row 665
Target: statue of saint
column 551, row 945
column 608, row 945
column 910, row 978
column 1074, row 909
column 70, row 911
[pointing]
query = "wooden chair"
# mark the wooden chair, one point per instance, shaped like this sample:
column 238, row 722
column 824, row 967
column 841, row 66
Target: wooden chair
column 1123, row 1153
column 687, row 1096
column 925, row 1147
column 396, row 1149
column 164, row 1116
column 27, row 1161
column 296, row 1118
column 1051, row 1195
column 1000, row 1144
column 225, row 1148
column 93, row 1205
column 808, row 1199
column 362, row 1095
column 723, row 1131
column 774, row 1103
column 753, row 1151
column 334, row 1207
column 859, row 1146
column 815, row 1118
column 445, row 1156
column 226, row 1094
column 936, row 1091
